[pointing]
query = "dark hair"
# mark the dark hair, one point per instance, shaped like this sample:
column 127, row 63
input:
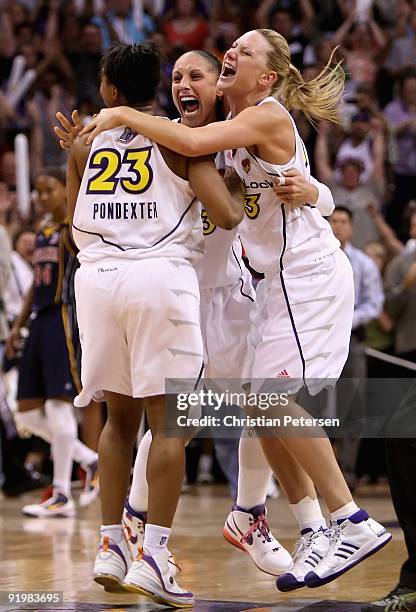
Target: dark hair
column 19, row 233
column 211, row 59
column 344, row 209
column 134, row 70
column 216, row 66
column 56, row 172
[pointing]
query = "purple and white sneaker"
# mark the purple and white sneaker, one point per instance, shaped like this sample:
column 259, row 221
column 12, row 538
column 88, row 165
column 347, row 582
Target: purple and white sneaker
column 111, row 564
column 351, row 541
column 249, row 531
column 133, row 528
column 152, row 576
column 310, row 549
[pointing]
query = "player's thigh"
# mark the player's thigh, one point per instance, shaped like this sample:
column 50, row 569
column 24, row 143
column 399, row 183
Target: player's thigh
column 163, row 332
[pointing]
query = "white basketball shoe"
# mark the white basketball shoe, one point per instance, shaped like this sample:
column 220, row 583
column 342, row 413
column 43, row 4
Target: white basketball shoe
column 91, row 487
column 310, row 549
column 152, row 576
column 249, row 531
column 55, row 505
column 111, row 564
column 351, row 541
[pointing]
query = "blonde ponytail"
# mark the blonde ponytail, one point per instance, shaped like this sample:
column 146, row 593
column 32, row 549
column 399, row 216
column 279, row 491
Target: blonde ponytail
column 319, row 99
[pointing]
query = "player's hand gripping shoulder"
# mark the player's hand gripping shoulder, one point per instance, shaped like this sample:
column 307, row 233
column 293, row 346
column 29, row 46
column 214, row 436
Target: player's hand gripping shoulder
column 69, row 130
column 107, row 119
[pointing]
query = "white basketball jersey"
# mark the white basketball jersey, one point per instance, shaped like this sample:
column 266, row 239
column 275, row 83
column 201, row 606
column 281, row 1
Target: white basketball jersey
column 274, row 234
column 131, row 205
column 222, row 264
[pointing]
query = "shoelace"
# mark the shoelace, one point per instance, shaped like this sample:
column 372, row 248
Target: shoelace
column 334, row 533
column 262, row 526
column 400, row 603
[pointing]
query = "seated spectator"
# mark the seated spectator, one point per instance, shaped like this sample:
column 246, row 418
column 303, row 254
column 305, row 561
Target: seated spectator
column 401, row 116
column 347, row 183
column 187, row 27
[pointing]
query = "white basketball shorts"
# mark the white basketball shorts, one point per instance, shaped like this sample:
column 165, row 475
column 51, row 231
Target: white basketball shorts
column 139, row 324
column 301, row 326
column 225, row 324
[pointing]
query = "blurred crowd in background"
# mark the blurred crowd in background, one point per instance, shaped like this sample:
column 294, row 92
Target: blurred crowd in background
column 369, row 161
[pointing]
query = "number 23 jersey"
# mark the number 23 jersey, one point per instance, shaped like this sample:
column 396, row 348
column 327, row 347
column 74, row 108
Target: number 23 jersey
column 131, row 205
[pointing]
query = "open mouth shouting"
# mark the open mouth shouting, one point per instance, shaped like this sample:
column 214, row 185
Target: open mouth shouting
column 228, row 72
column 189, row 104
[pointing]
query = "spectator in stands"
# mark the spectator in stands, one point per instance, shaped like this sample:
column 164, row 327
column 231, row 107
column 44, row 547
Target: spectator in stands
column 368, row 303
column 281, row 16
column 21, row 277
column 402, row 51
column 354, row 185
column 400, row 286
column 362, row 42
column 401, row 116
column 85, row 63
column 187, row 27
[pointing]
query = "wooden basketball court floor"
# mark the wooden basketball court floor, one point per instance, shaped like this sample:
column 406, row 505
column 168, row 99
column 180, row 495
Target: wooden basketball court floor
column 58, row 554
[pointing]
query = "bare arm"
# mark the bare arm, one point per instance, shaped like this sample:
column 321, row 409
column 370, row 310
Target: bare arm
column 251, row 127
column 378, row 157
column 387, row 233
column 379, row 37
column 323, row 166
column 262, row 13
column 20, row 321
column 341, row 34
column 75, row 167
column 224, row 209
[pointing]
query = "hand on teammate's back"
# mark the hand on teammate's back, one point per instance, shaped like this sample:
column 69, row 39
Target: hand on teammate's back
column 70, row 130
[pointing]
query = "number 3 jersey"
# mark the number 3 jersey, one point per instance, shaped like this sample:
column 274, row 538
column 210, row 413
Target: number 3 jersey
column 131, row 205
column 275, row 235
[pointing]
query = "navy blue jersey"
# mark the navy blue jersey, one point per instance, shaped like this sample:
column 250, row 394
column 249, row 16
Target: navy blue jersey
column 52, row 252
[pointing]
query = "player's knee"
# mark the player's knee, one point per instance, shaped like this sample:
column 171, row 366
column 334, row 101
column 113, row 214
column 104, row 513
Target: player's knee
column 61, row 417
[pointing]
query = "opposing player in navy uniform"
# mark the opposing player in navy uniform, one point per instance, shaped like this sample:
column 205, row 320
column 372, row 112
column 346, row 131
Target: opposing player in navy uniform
column 47, row 374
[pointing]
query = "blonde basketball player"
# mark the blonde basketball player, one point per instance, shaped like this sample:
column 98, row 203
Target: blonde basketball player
column 138, row 229
column 307, row 311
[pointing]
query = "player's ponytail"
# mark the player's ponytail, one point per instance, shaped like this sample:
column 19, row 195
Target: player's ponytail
column 319, row 98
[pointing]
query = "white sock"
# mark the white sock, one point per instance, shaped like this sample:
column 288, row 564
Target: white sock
column 36, row 422
column 308, row 514
column 345, row 511
column 139, row 492
column 114, row 532
column 253, row 472
column 63, row 427
column 156, row 538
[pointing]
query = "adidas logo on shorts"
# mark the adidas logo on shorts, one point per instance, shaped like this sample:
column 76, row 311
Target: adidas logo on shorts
column 283, row 374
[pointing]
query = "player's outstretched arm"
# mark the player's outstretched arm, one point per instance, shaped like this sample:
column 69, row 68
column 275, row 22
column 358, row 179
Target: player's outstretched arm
column 251, row 127
column 224, row 209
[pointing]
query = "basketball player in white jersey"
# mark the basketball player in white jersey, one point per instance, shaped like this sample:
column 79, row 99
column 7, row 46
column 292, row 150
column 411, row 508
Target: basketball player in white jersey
column 226, row 303
column 307, row 295
column 138, row 230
